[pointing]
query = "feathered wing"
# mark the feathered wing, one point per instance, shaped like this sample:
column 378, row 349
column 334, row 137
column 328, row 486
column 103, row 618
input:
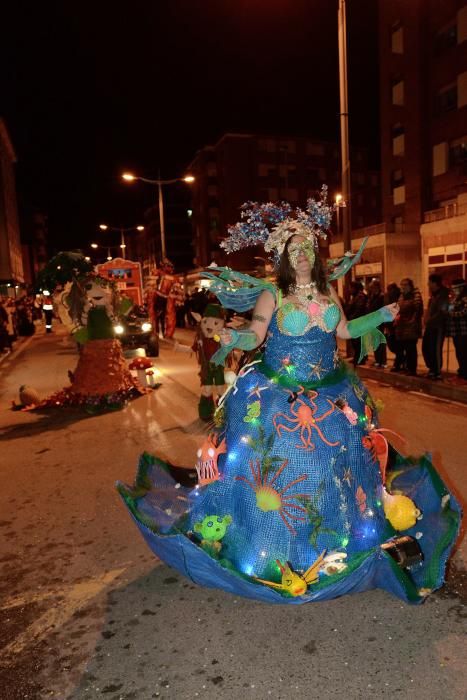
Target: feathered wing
column 236, row 290
column 338, row 267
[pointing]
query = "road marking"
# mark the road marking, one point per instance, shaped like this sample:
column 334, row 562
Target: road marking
column 75, row 596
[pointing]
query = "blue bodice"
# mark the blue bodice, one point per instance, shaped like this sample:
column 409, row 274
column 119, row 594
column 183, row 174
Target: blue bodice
column 311, row 355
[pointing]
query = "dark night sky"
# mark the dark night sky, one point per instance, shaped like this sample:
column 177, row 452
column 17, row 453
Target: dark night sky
column 91, row 89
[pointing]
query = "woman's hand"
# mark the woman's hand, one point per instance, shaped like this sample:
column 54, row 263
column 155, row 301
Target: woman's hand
column 225, row 336
column 393, row 309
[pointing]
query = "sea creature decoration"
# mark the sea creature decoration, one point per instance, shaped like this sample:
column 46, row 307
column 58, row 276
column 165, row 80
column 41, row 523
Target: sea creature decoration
column 271, row 498
column 212, row 529
column 400, row 510
column 304, row 419
column 253, row 411
column 208, row 454
column 333, row 563
column 293, row 583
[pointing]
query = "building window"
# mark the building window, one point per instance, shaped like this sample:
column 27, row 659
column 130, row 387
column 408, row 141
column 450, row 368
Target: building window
column 462, row 89
column 291, row 195
column 360, row 200
column 287, row 146
column 446, row 99
column 315, row 149
column 211, row 169
column 267, row 145
column 398, row 195
column 273, row 194
column 374, row 179
column 267, row 170
column 212, row 190
column 358, row 178
column 360, row 221
column 458, row 151
column 446, row 38
column 398, row 92
column 440, row 158
column 397, row 178
column 462, row 25
column 397, row 38
column 287, row 170
column 398, row 139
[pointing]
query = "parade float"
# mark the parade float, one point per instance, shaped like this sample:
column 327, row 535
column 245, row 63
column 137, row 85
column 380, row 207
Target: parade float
column 93, row 305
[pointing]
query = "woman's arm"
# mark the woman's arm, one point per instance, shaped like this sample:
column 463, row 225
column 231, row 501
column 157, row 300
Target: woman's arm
column 361, row 325
column 255, row 334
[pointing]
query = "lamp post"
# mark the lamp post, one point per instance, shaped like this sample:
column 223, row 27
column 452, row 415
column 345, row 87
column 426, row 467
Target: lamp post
column 122, row 231
column 344, row 128
column 129, row 177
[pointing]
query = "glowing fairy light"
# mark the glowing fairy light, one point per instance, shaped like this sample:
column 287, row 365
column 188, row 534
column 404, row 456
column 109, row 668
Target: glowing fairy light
column 263, row 553
column 345, row 541
column 248, row 570
column 245, row 439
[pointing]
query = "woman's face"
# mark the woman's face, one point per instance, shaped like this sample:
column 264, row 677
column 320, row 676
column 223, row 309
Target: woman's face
column 301, row 254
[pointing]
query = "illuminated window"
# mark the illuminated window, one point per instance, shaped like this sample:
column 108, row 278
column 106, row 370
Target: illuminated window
column 398, row 92
column 397, row 38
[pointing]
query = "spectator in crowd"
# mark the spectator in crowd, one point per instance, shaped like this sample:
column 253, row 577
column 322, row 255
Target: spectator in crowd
column 457, row 326
column 354, row 308
column 408, row 327
column 5, row 340
column 435, row 326
column 375, row 302
column 392, row 295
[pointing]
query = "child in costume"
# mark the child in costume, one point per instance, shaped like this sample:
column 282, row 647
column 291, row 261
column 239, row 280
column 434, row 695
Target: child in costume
column 317, row 503
column 205, row 345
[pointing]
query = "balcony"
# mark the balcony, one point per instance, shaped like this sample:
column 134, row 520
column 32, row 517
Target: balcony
column 447, row 212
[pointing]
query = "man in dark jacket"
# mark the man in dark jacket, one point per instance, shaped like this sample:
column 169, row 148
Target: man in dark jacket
column 356, row 307
column 435, row 326
column 408, row 327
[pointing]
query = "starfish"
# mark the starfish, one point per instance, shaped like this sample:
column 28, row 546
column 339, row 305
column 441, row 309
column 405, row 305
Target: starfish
column 347, row 475
column 256, row 391
column 317, row 369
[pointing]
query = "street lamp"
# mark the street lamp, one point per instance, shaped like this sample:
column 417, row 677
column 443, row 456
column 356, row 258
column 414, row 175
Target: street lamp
column 129, row 177
column 105, row 227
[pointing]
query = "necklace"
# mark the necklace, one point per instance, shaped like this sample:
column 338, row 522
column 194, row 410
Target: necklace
column 305, row 292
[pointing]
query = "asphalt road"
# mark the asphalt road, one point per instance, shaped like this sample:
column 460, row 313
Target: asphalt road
column 87, row 612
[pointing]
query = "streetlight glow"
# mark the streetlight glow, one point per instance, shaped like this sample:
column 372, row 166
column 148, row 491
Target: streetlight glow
column 94, row 245
column 103, row 227
column 140, row 228
column 87, row 258
column 338, row 199
column 128, row 177
column 122, row 246
column 189, row 178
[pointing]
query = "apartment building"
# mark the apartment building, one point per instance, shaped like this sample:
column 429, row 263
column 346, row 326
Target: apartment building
column 259, row 167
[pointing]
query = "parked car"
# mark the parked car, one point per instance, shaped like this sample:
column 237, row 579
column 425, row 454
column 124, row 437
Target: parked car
column 135, row 331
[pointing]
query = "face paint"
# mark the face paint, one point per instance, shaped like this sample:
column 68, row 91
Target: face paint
column 295, row 249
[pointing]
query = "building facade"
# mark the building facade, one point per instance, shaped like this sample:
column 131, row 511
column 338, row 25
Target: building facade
column 243, row 167
column 11, row 260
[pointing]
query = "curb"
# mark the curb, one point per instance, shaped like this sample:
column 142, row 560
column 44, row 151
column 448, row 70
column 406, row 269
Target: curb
column 440, row 390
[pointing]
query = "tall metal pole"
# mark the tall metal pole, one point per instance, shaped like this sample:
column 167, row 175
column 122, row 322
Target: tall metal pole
column 344, row 126
column 122, row 242
column 161, row 218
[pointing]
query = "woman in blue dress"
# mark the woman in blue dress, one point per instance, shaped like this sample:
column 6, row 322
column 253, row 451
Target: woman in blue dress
column 299, row 495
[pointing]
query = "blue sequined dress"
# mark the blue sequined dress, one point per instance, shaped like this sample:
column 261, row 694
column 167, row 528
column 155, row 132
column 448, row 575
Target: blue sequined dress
column 300, row 478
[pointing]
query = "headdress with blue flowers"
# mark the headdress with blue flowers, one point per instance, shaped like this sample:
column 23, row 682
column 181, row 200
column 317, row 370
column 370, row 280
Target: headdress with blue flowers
column 271, row 225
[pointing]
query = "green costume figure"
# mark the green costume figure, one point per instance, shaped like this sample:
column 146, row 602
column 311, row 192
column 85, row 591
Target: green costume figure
column 207, row 342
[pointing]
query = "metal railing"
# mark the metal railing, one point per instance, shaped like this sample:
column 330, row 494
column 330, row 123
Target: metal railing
column 447, row 212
